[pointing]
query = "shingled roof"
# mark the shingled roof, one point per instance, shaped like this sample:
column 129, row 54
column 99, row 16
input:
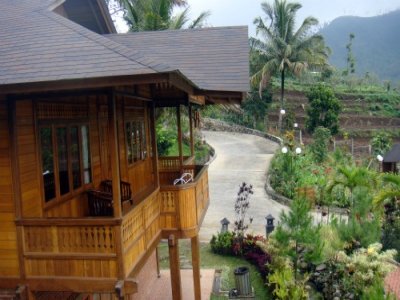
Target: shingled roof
column 38, row 45
column 215, row 58
column 393, row 155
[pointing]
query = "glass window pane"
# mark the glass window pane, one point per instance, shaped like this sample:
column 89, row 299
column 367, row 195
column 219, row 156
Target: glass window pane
column 46, row 146
column 75, row 158
column 143, row 140
column 87, row 171
column 129, row 142
column 62, row 160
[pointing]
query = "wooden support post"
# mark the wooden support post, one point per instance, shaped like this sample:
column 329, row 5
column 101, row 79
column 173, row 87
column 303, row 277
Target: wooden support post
column 178, row 118
column 196, row 267
column 153, row 135
column 191, row 130
column 158, row 262
column 116, row 178
column 173, row 246
column 114, row 153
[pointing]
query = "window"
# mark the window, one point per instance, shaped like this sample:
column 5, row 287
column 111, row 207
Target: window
column 136, row 141
column 65, row 156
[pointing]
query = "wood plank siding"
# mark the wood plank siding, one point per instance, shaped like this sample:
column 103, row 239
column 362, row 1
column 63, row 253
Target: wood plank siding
column 9, row 265
column 62, row 247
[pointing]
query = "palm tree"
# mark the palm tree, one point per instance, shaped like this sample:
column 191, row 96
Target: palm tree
column 350, row 177
column 151, row 15
column 284, row 49
column 390, row 191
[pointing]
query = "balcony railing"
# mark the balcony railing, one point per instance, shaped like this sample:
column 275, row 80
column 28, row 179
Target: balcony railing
column 183, row 206
column 70, row 247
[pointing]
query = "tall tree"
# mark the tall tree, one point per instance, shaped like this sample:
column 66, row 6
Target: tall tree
column 283, row 49
column 151, row 15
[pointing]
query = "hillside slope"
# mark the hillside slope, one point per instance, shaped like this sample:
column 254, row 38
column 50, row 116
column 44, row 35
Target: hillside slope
column 376, row 46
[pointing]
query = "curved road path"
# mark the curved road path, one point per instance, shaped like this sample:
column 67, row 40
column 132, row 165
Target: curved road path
column 239, row 158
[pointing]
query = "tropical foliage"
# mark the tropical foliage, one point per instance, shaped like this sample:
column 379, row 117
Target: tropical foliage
column 323, row 110
column 150, row 15
column 284, row 50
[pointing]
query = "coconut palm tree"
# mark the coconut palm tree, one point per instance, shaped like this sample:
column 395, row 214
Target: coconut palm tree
column 285, row 50
column 151, row 15
column 390, row 191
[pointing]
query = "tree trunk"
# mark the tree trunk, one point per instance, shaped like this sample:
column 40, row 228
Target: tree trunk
column 282, row 97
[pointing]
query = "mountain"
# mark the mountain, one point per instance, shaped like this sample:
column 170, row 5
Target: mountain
column 376, row 46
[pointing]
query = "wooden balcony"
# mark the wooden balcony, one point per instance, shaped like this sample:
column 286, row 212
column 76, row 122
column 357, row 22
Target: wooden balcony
column 183, row 206
column 71, row 253
column 94, row 253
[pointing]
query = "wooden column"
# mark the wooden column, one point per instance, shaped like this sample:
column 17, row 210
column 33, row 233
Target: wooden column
column 116, row 178
column 13, row 135
column 178, row 118
column 196, row 267
column 191, row 130
column 114, row 154
column 154, row 143
column 174, row 267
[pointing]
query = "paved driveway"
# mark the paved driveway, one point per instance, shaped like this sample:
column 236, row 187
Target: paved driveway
column 239, row 158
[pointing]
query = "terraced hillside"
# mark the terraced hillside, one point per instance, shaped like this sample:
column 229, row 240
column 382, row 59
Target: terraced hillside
column 362, row 115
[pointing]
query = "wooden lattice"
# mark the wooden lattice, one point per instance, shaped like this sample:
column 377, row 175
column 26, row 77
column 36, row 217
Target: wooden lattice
column 46, row 110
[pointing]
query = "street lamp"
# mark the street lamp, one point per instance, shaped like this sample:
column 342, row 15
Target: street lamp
column 270, row 224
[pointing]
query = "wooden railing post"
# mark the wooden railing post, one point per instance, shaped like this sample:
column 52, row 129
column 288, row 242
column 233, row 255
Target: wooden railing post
column 173, row 245
column 196, row 267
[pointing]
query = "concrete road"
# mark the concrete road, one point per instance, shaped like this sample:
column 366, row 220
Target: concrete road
column 239, row 158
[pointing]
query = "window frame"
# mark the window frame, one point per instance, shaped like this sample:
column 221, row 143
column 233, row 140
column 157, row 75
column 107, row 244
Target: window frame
column 68, row 124
column 143, row 151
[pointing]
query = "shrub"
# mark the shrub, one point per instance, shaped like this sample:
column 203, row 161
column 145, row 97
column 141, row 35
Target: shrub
column 319, row 147
column 324, row 109
column 286, row 287
column 222, row 243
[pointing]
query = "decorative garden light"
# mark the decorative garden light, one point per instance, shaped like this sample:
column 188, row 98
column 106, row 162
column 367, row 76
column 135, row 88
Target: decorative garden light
column 282, row 112
column 379, row 158
column 284, row 150
column 225, row 223
column 270, row 224
column 295, row 125
column 298, row 150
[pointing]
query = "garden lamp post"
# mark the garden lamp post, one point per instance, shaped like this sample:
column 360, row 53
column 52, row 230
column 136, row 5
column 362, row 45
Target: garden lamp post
column 380, row 159
column 270, row 224
column 224, row 225
column 282, row 112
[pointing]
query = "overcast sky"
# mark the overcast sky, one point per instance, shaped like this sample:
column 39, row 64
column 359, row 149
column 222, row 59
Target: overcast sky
column 243, row 12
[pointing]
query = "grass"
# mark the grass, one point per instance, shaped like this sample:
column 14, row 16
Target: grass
column 227, row 264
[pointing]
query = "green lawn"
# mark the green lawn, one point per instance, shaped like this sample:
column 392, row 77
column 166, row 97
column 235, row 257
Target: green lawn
column 210, row 260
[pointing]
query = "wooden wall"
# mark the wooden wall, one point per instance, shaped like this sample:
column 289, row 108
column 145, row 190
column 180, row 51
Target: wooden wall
column 8, row 236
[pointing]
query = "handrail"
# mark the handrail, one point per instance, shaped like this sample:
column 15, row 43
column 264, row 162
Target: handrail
column 88, row 221
column 196, row 178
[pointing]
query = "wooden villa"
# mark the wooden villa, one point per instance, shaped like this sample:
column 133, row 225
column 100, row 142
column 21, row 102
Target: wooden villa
column 84, row 197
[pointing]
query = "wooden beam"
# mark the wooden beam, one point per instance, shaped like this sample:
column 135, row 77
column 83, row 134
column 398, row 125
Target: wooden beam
column 154, row 143
column 196, row 266
column 177, row 80
column 116, row 178
column 78, row 284
column 173, row 246
column 178, row 118
column 191, row 129
column 73, row 84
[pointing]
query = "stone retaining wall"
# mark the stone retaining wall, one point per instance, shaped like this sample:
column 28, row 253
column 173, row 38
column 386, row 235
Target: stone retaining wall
column 217, row 125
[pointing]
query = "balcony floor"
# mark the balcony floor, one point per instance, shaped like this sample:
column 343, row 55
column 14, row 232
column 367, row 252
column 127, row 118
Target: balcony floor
column 161, row 290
